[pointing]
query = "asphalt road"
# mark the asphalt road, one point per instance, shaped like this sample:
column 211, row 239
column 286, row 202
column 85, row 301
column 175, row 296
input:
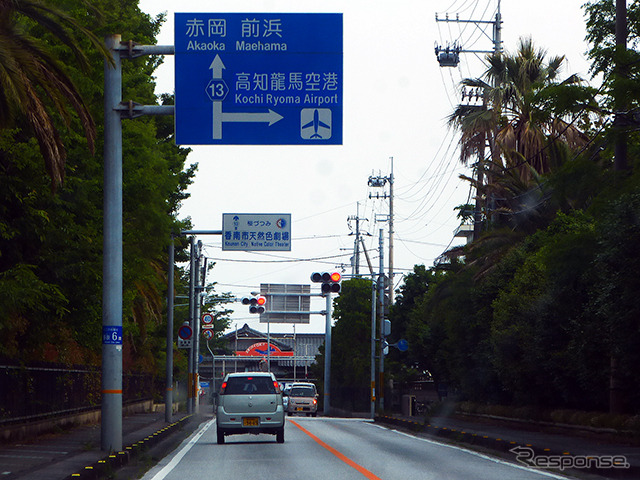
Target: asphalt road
column 321, row 448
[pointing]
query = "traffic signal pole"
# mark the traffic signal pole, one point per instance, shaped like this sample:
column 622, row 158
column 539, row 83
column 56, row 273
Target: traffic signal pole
column 195, row 288
column 327, row 356
column 330, row 284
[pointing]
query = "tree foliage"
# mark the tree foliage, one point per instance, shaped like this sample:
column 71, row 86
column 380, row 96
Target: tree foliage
column 350, row 347
column 542, row 309
column 51, row 244
column 34, row 85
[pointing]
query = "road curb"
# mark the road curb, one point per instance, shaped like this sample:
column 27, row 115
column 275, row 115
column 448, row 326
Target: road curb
column 499, row 444
column 105, row 467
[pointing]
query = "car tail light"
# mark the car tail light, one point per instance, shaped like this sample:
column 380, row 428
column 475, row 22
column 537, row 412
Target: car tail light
column 276, row 386
column 315, row 401
column 222, row 388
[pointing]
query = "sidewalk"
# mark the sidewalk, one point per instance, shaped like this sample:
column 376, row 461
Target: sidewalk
column 76, row 453
column 538, row 445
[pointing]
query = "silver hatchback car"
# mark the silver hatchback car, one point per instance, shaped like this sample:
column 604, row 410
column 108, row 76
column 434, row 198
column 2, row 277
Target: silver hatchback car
column 302, row 398
column 250, row 402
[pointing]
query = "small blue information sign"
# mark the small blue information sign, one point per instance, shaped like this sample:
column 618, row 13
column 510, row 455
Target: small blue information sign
column 258, row 78
column 256, row 231
column 111, row 335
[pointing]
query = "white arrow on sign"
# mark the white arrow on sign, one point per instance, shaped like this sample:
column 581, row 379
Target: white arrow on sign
column 219, row 117
column 271, row 117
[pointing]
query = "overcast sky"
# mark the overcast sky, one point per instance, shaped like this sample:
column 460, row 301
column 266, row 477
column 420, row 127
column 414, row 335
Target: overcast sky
column 396, row 101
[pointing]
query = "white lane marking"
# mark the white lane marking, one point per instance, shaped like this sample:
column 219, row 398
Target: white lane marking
column 35, row 450
column 175, row 460
column 477, row 454
column 22, row 456
column 331, row 419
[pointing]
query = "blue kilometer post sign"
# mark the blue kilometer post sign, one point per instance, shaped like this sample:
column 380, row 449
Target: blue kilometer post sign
column 258, row 78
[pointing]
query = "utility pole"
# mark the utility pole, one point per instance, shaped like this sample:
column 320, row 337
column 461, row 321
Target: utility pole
column 620, row 165
column 381, row 312
column 379, row 182
column 450, row 57
column 355, row 265
column 374, row 287
column 620, row 159
column 372, row 411
column 391, row 234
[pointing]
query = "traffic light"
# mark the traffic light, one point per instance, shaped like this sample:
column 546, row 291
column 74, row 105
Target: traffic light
column 330, row 281
column 257, row 304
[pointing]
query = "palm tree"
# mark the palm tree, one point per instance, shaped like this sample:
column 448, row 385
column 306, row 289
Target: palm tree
column 525, row 111
column 32, row 82
column 525, row 108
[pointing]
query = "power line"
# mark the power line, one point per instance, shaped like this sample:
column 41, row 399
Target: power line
column 282, row 260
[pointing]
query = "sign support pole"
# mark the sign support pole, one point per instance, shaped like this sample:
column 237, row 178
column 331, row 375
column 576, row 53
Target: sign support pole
column 192, row 280
column 195, row 348
column 168, row 398
column 114, row 110
column 111, row 420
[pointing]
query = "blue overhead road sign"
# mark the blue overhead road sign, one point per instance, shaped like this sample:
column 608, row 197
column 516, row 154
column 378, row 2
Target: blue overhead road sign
column 258, row 78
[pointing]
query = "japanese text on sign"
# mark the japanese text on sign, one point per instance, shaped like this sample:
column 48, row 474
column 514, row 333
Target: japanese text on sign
column 270, row 232
column 258, row 78
column 111, row 335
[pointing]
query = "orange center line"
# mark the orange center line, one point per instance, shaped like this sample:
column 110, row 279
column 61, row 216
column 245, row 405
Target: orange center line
column 341, row 456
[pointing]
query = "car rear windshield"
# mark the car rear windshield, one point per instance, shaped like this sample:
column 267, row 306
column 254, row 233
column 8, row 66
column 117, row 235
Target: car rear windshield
column 303, row 392
column 259, row 385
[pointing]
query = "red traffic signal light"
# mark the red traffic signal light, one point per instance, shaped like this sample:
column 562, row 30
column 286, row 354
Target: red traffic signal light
column 330, row 281
column 256, row 304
